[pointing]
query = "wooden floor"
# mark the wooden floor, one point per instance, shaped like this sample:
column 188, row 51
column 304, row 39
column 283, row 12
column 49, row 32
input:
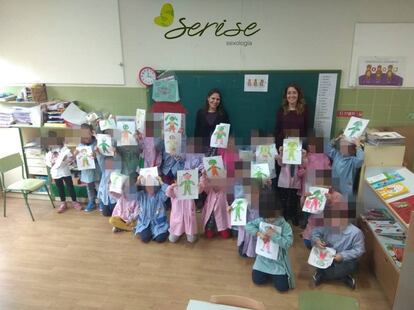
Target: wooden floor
column 74, row 261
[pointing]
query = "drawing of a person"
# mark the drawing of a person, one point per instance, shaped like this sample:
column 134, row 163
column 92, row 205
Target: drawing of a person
column 237, row 209
column 172, row 123
column 187, row 182
column 390, row 73
column 315, row 200
column 368, row 73
column 378, row 75
column 172, row 144
column 291, row 148
column 220, row 135
column 85, row 158
column 213, row 168
column 265, row 151
column 125, row 134
column 259, row 173
column 104, row 146
column 355, row 128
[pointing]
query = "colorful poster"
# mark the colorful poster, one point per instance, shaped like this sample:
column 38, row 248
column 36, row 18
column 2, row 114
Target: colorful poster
column 256, row 82
column 267, row 248
column 109, row 123
column 104, row 144
column 356, row 127
column 126, row 128
column 172, row 123
column 165, row 90
column 85, row 159
column 140, row 117
column 321, row 258
column 380, row 71
column 214, row 167
column 238, row 212
column 292, row 151
column 403, row 208
column 260, row 171
column 187, row 184
column 117, row 182
column 220, row 136
column 315, row 203
column 392, row 190
column 172, row 143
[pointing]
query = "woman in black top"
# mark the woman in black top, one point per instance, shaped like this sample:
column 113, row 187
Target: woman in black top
column 208, row 117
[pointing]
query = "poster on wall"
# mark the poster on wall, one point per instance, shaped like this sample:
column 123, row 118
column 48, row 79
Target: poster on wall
column 382, row 71
column 256, row 82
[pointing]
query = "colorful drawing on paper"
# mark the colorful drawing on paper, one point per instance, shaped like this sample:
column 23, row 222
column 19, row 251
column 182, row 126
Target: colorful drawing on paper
column 104, row 144
column 187, row 183
column 126, row 128
column 266, row 154
column 260, row 171
column 321, row 258
column 118, row 181
column 220, row 136
column 292, row 151
column 140, row 120
column 238, row 212
column 165, row 90
column 381, row 71
column 315, row 203
column 85, row 159
column 172, row 143
column 108, row 123
column 172, row 123
column 392, row 190
column 356, row 127
column 256, row 82
column 214, row 167
column 268, row 248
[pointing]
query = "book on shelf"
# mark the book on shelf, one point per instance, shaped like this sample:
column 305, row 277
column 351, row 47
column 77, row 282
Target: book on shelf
column 392, row 190
column 384, row 179
column 385, row 137
column 390, row 228
column 403, row 208
column 377, row 215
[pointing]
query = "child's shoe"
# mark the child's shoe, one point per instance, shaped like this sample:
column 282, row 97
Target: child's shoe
column 209, row 233
column 173, row 238
column 76, row 205
column 90, row 207
column 101, row 206
column 191, row 238
column 116, row 230
column 225, row 234
column 62, row 208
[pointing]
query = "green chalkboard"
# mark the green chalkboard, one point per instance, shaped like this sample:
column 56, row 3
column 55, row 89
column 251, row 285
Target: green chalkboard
column 247, row 110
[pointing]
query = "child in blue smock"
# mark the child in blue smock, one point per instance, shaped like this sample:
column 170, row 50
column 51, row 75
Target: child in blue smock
column 347, row 157
column 152, row 218
column 89, row 176
column 277, row 270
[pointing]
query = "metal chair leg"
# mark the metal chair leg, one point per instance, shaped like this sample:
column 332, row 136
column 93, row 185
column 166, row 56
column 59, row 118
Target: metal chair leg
column 27, row 205
column 50, row 197
column 4, row 203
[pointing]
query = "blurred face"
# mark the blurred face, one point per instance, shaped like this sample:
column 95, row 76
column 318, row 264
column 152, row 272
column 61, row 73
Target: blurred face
column 86, row 136
column 213, row 102
column 292, row 96
column 346, row 148
column 150, row 190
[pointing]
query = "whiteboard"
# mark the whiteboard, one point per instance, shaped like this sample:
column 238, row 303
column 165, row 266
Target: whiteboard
column 60, row 41
column 384, row 40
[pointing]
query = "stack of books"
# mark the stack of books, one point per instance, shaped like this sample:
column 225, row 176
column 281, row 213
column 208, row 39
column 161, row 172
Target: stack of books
column 385, row 137
column 6, row 117
column 53, row 114
column 7, row 97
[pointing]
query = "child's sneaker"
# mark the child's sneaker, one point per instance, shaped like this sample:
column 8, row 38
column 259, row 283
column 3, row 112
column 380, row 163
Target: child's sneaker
column 317, row 278
column 209, row 233
column 76, row 205
column 225, row 234
column 101, row 206
column 350, row 281
column 62, row 208
column 90, row 207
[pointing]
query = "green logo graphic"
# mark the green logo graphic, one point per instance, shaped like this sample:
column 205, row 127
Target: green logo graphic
column 166, row 17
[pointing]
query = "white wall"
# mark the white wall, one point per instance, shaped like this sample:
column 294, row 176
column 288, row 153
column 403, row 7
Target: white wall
column 295, row 34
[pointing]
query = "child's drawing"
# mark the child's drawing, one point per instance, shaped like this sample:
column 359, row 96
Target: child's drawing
column 356, row 127
column 214, row 167
column 187, row 182
column 220, row 136
column 268, row 248
column 172, row 122
column 315, row 203
column 172, row 143
column 108, row 123
column 126, row 127
column 292, row 151
column 321, row 258
column 140, row 120
column 84, row 158
column 238, row 212
column 260, row 171
column 117, row 182
column 104, row 143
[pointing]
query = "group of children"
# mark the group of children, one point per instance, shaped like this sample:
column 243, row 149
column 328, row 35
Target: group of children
column 142, row 205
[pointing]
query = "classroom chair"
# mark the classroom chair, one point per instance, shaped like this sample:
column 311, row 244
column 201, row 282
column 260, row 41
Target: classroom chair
column 25, row 186
column 237, row 301
column 311, row 300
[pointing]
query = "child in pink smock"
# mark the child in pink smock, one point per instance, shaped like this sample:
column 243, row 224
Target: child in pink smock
column 182, row 217
column 214, row 215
